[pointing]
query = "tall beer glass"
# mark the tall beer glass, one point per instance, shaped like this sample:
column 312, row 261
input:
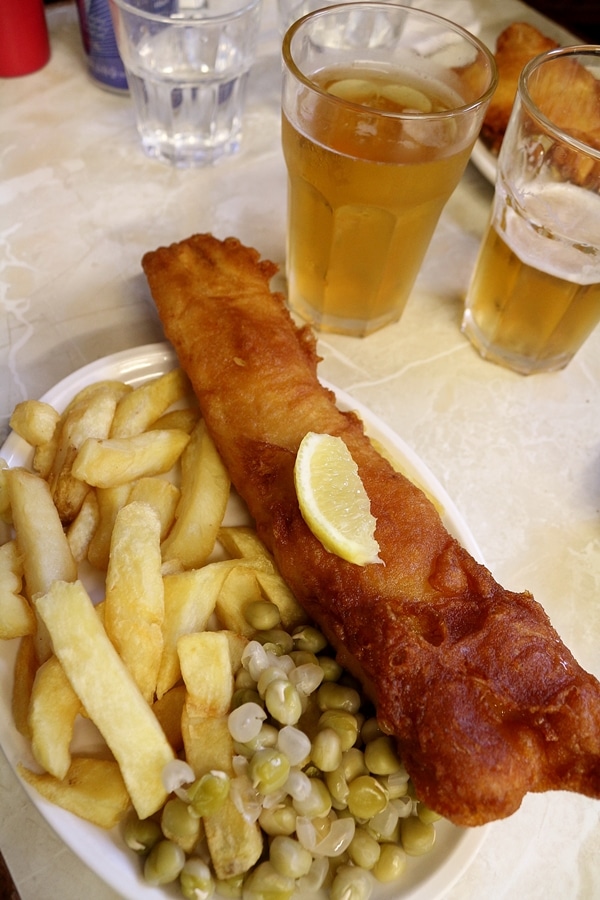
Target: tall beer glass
column 382, row 104
column 535, row 293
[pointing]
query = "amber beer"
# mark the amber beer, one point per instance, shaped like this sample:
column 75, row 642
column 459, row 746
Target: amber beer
column 535, row 293
column 361, row 213
column 382, row 104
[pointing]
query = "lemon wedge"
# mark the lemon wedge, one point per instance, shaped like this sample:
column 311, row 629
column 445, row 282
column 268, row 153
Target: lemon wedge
column 333, row 500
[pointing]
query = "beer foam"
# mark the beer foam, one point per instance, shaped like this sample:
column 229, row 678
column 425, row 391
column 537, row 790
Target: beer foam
column 554, row 228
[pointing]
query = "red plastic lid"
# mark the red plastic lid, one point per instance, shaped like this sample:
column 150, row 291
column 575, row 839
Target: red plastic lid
column 24, row 43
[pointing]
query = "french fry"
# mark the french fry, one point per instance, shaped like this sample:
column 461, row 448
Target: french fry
column 205, row 489
column 53, row 708
column 108, row 693
column 26, row 665
column 110, row 501
column 276, row 590
column 206, row 668
column 41, row 541
column 83, row 527
column 207, row 742
column 82, row 421
column 16, row 615
column 186, row 419
column 34, row 421
column 242, row 542
column 163, row 495
column 142, row 406
column 40, row 536
column 189, row 599
column 239, row 589
column 235, row 844
column 117, row 461
column 134, row 602
column 92, row 789
column 168, row 709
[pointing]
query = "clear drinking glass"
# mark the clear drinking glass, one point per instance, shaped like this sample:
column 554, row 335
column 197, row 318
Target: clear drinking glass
column 187, row 63
column 535, row 293
column 382, row 104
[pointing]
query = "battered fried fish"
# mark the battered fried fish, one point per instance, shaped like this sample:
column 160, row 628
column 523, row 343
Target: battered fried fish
column 484, row 699
column 515, row 46
column 568, row 94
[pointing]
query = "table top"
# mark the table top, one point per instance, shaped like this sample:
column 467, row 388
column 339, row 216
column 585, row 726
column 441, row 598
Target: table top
column 519, row 456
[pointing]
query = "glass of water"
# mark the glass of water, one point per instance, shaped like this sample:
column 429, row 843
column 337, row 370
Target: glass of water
column 187, row 64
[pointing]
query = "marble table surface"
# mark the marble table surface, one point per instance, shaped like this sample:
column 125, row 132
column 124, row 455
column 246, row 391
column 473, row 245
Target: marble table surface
column 520, row 457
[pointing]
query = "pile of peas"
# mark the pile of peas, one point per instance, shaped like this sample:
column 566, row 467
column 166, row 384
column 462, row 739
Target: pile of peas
column 311, row 766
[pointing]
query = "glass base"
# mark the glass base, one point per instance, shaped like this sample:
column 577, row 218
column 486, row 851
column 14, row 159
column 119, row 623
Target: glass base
column 524, row 365
column 328, row 324
column 187, row 153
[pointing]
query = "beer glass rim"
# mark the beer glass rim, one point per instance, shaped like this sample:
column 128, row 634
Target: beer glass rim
column 591, row 50
column 186, row 17
column 294, row 69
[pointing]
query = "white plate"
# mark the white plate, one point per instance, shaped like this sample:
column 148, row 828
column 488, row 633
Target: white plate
column 427, row 878
column 481, row 156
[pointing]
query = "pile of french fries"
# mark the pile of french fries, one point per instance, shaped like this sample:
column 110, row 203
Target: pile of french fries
column 126, row 483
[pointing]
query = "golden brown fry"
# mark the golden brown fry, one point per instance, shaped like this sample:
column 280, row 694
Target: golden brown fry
column 117, row 461
column 189, row 599
column 109, row 694
column 204, row 496
column 53, row 708
column 110, row 501
column 83, row 527
column 26, row 665
column 134, row 601
column 41, row 541
column 162, row 495
column 141, row 407
column 93, row 789
column 16, row 615
column 235, row 844
column 34, row 421
column 168, row 709
column 207, row 672
column 239, row 589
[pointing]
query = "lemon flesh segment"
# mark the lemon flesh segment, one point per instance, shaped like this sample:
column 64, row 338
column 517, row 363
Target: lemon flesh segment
column 333, row 500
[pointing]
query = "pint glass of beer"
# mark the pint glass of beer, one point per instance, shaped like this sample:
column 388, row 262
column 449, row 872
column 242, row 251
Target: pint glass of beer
column 535, row 293
column 382, row 104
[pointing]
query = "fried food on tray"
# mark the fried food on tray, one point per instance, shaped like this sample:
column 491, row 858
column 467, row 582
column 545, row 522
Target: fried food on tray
column 515, row 46
column 485, row 701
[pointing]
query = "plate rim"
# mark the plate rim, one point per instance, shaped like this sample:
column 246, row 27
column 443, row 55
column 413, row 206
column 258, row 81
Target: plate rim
column 137, row 364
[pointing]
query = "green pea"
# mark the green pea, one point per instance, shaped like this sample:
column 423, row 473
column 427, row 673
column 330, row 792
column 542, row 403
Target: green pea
column 427, row 815
column 164, row 863
column 307, row 637
column 326, row 750
column 391, row 863
column 179, row 824
column 289, row 857
column 345, row 723
column 364, row 850
column 141, row 835
column 266, row 883
column 195, row 880
column 366, row 797
column 331, row 668
column 268, row 770
column 332, row 695
column 381, row 757
column 209, row 792
column 262, row 615
column 417, row 837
